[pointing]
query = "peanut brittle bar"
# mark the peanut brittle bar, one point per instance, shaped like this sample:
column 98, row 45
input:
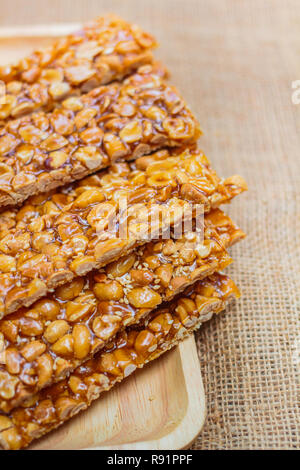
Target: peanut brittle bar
column 54, row 238
column 124, row 120
column 106, row 50
column 131, row 349
column 43, row 344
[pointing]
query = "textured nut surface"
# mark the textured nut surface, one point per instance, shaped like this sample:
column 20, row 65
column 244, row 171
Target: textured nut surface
column 33, row 350
column 130, row 349
column 56, row 330
column 144, row 297
column 106, row 49
column 58, row 236
column 51, row 240
column 108, row 291
column 81, row 317
column 86, row 133
column 81, row 335
column 63, row 346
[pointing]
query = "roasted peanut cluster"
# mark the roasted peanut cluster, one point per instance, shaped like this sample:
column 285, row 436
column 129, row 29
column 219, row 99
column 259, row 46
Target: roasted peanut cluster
column 43, row 344
column 105, row 50
column 91, row 274
column 42, row 151
column 55, row 237
column 131, row 349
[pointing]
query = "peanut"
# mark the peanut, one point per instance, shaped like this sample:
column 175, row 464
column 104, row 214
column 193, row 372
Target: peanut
column 100, row 215
column 161, row 323
column 56, row 330
column 12, row 438
column 90, row 196
column 64, row 346
column 141, row 277
column 106, row 326
column 203, row 250
column 45, row 368
column 108, row 291
column 89, row 156
column 145, row 342
column 131, row 132
column 13, row 361
column 122, row 266
column 57, row 159
column 144, row 297
column 71, row 290
column 44, row 412
column 114, row 147
column 7, row 263
column 48, row 309
column 164, row 273
column 33, row 350
column 76, row 385
column 64, row 407
column 54, row 142
column 82, row 265
column 7, row 386
column 77, row 310
column 30, row 326
column 108, row 363
column 83, row 117
column 81, row 336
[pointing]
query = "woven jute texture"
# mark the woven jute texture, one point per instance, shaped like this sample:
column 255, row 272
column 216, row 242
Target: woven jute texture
column 234, row 62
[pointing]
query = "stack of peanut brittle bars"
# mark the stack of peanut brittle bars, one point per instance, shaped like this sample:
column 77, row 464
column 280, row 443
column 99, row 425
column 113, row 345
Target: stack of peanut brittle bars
column 87, row 124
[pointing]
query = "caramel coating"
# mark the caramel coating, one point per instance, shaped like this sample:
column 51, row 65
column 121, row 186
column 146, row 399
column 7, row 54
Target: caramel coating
column 56, row 237
column 131, row 349
column 105, row 50
column 81, row 317
column 83, row 134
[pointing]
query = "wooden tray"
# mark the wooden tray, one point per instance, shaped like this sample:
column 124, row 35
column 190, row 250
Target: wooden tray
column 159, row 407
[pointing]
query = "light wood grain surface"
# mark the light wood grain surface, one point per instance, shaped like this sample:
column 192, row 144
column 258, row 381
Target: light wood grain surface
column 235, row 61
column 159, row 407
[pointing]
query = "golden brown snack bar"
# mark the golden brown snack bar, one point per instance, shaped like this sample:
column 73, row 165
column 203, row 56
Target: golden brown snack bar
column 43, row 151
column 54, row 238
column 43, row 344
column 104, row 50
column 131, row 349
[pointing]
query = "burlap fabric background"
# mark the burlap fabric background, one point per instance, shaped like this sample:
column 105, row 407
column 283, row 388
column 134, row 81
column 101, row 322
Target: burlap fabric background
column 234, row 61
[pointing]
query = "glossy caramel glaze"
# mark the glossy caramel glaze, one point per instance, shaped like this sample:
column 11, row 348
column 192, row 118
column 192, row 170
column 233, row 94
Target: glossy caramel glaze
column 44, row 343
column 105, row 50
column 58, row 236
column 131, row 349
column 42, row 151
